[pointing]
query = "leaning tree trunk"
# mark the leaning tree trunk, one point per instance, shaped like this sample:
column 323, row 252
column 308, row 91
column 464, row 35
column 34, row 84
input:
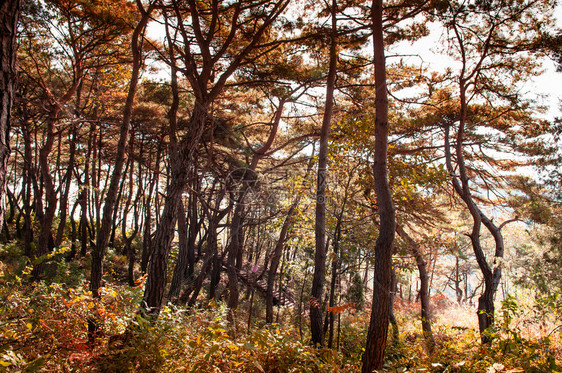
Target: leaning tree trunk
column 9, row 13
column 378, row 326
column 98, row 252
column 460, row 183
column 276, row 258
column 424, row 287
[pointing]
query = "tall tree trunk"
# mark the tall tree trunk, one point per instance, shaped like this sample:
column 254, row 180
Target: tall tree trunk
column 181, row 167
column 320, row 223
column 9, row 13
column 378, row 326
column 103, row 233
column 235, row 247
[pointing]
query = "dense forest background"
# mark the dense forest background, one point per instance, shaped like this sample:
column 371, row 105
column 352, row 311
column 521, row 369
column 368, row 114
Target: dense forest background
column 280, row 186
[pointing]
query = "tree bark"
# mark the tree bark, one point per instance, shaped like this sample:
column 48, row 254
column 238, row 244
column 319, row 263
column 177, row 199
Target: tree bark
column 180, row 169
column 9, row 14
column 378, row 326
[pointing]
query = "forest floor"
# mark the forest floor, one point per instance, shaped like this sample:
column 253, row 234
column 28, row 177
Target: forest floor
column 44, row 328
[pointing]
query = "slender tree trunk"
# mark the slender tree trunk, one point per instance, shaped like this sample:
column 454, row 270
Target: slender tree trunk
column 194, row 228
column 148, row 220
column 108, row 210
column 320, row 223
column 73, row 233
column 128, row 238
column 66, row 191
column 29, row 180
column 45, row 233
column 378, row 326
column 336, row 264
column 234, row 248
column 276, row 258
column 9, row 14
column 336, row 261
column 45, row 240
column 491, row 277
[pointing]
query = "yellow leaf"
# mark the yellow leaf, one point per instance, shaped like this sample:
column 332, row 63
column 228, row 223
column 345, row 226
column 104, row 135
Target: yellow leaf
column 29, row 326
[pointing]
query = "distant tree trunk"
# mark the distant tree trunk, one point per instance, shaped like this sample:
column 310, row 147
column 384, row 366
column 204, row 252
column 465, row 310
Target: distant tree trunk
column 212, row 252
column 320, row 223
column 29, row 180
column 45, row 233
column 378, row 326
column 336, row 261
column 103, row 233
column 235, row 252
column 128, row 238
column 148, row 220
column 84, row 197
column 9, row 13
column 424, row 286
column 276, row 258
column 73, row 232
column 183, row 257
column 336, row 266
column 73, row 140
